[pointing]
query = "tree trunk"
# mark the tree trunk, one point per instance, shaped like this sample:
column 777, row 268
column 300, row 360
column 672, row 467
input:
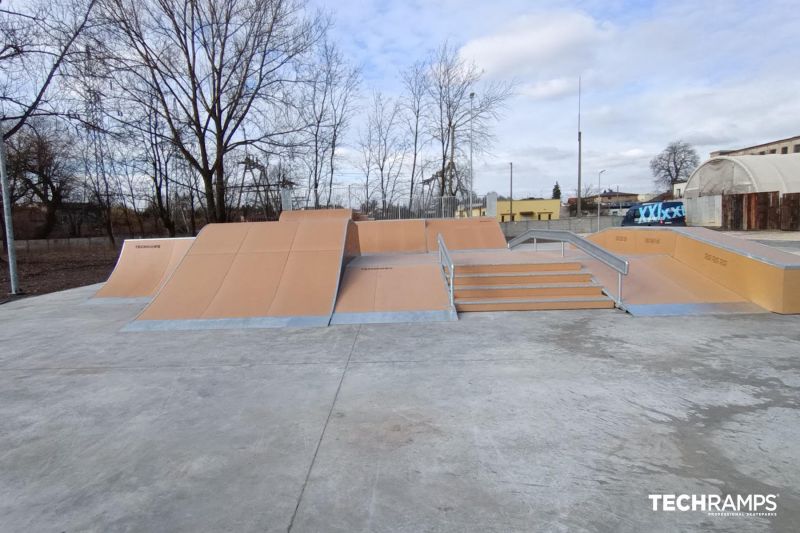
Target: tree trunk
column 109, row 228
column 221, row 216
column 208, row 184
column 44, row 231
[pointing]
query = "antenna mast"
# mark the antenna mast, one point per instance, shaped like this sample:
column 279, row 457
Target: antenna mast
column 580, row 147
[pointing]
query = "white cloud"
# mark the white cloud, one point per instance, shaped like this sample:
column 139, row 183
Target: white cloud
column 547, row 89
column 539, row 44
column 718, row 77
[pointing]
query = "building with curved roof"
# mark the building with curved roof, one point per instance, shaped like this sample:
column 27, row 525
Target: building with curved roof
column 745, row 174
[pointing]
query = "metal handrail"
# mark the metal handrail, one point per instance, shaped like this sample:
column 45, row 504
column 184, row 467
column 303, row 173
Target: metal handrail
column 448, row 268
column 601, row 254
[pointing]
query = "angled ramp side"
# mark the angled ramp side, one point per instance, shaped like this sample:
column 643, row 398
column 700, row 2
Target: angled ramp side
column 465, row 233
column 723, row 265
column 262, row 274
column 309, row 214
column 392, row 236
column 393, row 288
column 143, row 266
column 419, row 235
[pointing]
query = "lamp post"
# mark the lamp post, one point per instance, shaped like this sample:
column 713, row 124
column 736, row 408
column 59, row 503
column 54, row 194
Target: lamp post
column 599, row 197
column 9, row 222
column 511, row 191
column 471, row 134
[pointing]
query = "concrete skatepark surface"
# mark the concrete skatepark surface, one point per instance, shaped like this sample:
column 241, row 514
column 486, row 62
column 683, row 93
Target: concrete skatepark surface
column 529, row 421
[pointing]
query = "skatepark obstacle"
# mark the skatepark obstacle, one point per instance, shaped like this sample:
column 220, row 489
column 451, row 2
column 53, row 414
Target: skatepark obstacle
column 315, row 268
column 143, row 266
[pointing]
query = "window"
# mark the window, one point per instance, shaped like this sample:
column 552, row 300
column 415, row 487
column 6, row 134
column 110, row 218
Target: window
column 773, row 151
column 797, row 148
column 762, row 152
column 785, row 150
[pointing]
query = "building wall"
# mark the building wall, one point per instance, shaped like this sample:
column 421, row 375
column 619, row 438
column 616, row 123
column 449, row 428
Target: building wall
column 784, row 146
column 538, row 209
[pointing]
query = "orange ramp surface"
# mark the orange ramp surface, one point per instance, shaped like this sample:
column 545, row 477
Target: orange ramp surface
column 465, row 233
column 308, row 214
column 143, row 266
column 261, row 274
column 393, row 288
column 392, row 236
column 702, row 269
column 419, row 235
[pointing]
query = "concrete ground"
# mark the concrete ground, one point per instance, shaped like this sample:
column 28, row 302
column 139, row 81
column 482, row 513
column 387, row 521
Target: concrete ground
column 540, row 421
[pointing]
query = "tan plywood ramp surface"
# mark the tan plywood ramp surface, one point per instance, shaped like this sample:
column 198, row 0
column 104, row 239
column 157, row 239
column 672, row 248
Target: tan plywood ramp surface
column 143, row 267
column 708, row 260
column 465, row 233
column 261, row 274
column 392, row 289
column 392, row 236
column 308, row 214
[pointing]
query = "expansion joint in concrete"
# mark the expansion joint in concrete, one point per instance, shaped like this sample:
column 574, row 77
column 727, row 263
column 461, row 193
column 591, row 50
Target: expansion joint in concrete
column 322, row 433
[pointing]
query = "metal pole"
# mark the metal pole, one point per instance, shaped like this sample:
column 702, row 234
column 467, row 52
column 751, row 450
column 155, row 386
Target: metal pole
column 619, row 288
column 511, row 192
column 599, row 197
column 12, row 251
column 579, row 147
column 471, row 133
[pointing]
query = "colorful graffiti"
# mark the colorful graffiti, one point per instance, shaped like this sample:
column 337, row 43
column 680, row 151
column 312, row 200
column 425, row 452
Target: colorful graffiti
column 659, row 211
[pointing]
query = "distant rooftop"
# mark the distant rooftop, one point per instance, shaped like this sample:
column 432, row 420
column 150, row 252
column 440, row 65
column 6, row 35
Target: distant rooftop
column 765, row 146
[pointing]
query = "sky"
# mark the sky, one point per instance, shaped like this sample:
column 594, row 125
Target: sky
column 717, row 74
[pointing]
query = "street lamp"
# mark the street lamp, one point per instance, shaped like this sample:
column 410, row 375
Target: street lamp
column 471, row 133
column 599, row 196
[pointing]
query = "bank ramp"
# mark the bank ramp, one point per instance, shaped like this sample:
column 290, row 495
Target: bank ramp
column 261, row 274
column 684, row 271
column 143, row 266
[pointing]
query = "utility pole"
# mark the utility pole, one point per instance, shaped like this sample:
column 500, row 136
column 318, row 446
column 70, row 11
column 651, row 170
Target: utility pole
column 599, row 197
column 471, row 134
column 12, row 250
column 580, row 146
column 511, row 191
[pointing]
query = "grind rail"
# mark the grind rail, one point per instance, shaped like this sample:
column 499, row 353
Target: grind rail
column 613, row 261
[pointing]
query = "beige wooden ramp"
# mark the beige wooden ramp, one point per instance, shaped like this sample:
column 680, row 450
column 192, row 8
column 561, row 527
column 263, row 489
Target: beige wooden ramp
column 465, row 233
column 262, row 274
column 696, row 271
column 393, row 288
column 419, row 235
column 392, row 236
column 307, row 214
column 143, row 266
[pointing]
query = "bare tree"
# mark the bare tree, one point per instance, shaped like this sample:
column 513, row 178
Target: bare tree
column 415, row 104
column 327, row 106
column 345, row 90
column 452, row 80
column 214, row 67
column 384, row 147
column 675, row 164
column 40, row 158
column 36, row 39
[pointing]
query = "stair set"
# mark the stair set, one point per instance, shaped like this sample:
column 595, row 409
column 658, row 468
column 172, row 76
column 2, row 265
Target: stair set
column 527, row 286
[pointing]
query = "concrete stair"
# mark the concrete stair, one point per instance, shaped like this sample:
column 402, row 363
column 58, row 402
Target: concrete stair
column 527, row 286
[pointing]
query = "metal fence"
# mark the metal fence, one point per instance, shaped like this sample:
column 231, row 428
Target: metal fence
column 573, row 224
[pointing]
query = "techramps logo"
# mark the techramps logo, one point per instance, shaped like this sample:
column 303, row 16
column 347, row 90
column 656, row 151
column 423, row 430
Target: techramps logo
column 754, row 505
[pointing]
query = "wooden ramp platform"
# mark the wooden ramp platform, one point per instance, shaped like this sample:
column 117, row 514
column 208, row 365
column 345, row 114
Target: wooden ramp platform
column 143, row 266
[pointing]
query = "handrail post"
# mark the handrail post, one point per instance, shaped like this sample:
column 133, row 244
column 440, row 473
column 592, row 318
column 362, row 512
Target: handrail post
column 619, row 288
column 535, row 245
column 452, row 284
column 562, row 248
